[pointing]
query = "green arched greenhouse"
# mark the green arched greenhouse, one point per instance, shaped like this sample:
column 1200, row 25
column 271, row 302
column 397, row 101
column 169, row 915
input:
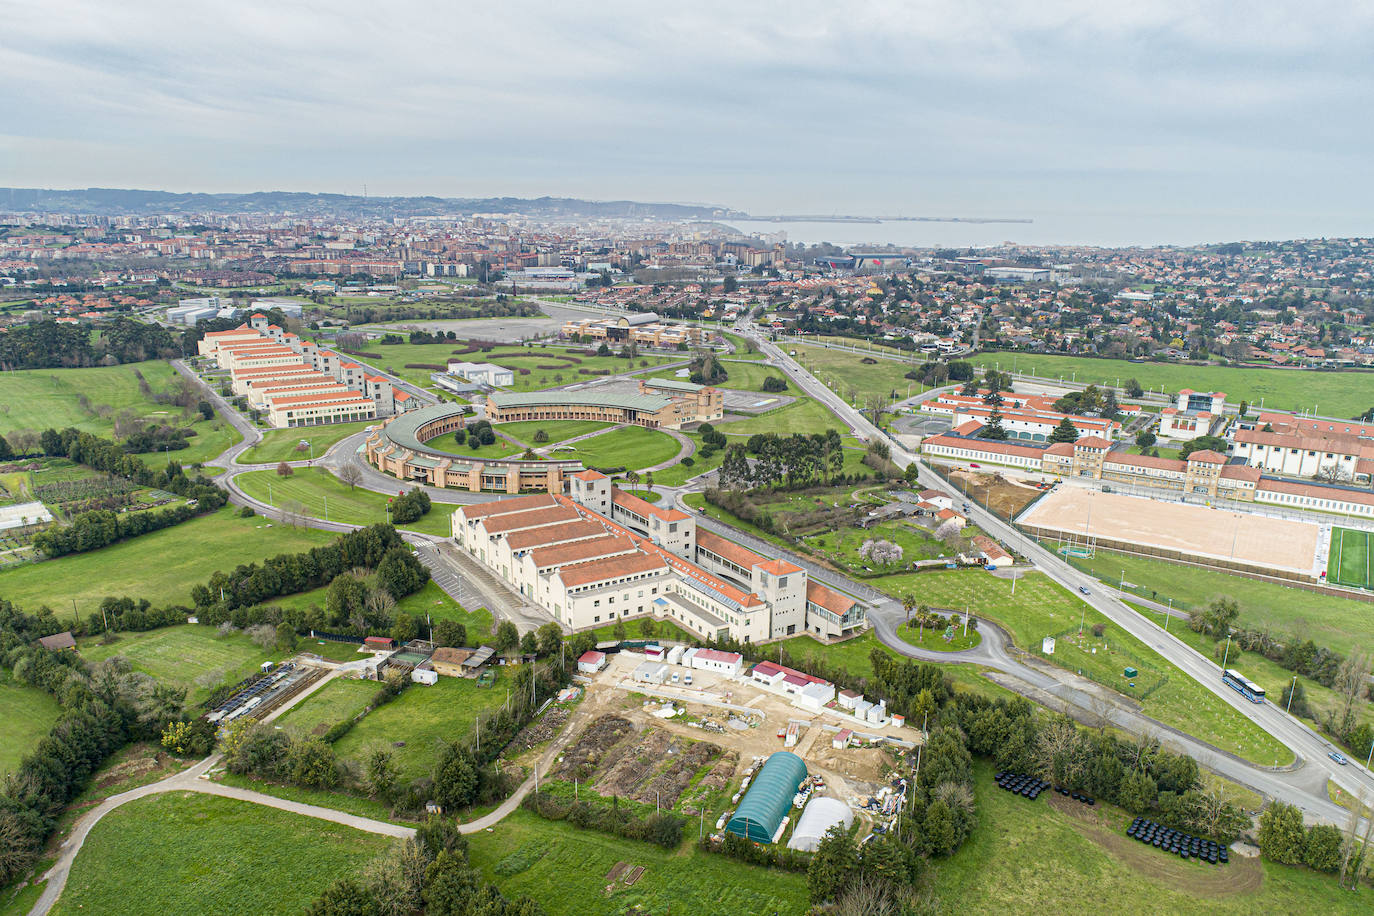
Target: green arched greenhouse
column 769, row 798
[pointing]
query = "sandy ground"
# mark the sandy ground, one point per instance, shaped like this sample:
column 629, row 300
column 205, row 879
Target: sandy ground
column 1199, row 530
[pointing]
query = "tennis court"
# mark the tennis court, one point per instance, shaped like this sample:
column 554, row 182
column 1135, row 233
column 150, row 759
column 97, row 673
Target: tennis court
column 1349, row 561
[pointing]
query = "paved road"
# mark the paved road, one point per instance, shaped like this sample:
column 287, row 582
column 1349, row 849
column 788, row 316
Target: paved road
column 1304, row 785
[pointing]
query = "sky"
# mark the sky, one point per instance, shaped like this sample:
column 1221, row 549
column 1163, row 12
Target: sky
column 1190, row 120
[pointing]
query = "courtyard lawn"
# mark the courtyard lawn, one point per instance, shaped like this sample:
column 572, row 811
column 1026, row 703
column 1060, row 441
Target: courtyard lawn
column 422, row 717
column 188, row 853
column 1349, row 560
column 26, row 714
column 1036, row 857
column 1041, row 608
column 339, row 700
column 280, row 444
column 847, row 374
column 499, row 448
column 322, row 495
column 1340, row 394
column 190, row 655
column 632, row 447
column 564, row 869
column 557, row 430
column 161, row 566
column 1339, row 623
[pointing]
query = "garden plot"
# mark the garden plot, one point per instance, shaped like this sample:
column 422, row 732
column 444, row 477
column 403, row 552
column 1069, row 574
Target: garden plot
column 650, row 766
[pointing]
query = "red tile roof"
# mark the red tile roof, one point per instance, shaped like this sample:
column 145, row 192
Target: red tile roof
column 548, row 535
column 610, row 568
column 506, row 506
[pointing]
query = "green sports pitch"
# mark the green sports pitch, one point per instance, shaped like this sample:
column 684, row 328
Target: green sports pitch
column 1349, row 560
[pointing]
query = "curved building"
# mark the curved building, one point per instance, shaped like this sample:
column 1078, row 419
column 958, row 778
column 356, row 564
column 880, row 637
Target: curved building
column 658, row 402
column 769, row 798
column 399, row 447
column 820, row 815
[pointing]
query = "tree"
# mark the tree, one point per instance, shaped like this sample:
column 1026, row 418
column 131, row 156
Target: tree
column 1110, row 408
column 1281, row 835
column 1145, row 438
column 381, row 771
column 540, row 436
column 619, row 631
column 528, row 645
column 286, row 637
column 1352, row 683
column 351, row 474
column 345, row 897
column 833, row 865
column 313, row 764
column 1321, row 849
column 6, row 453
column 206, row 411
column 404, row 629
column 450, row 633
column 285, row 470
column 1064, row 432
column 455, row 776
column 549, row 639
column 1134, row 389
column 993, row 429
column 603, row 350
column 507, row 638
column 1201, row 443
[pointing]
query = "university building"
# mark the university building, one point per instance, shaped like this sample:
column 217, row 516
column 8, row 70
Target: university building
column 599, row 555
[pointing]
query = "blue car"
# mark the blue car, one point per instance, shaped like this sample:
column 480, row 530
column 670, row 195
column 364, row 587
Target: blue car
column 1338, row 757
column 1084, row 589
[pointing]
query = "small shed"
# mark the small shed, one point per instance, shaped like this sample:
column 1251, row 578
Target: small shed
column 1047, row 645
column 842, row 739
column 651, row 672
column 591, row 662
column 474, row 662
column 379, row 642
column 423, row 675
column 849, row 697
column 1131, row 672
column 58, row 642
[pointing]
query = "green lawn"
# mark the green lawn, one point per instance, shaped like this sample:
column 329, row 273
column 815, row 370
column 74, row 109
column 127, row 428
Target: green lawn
column 843, row 545
column 499, row 448
column 742, row 346
column 564, row 869
column 325, row 496
column 1340, row 623
column 547, row 367
column 557, row 430
column 189, row 853
column 633, row 447
column 422, row 717
column 1029, row 857
column 933, row 638
column 801, row 416
column 161, row 566
column 846, row 373
column 742, row 376
column 337, row 701
column 26, row 714
column 189, row 655
column 1041, row 608
column 1338, row 394
column 1348, row 562
column 280, row 444
column 41, row 398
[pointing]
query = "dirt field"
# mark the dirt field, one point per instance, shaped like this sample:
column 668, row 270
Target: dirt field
column 1221, row 534
column 1002, row 496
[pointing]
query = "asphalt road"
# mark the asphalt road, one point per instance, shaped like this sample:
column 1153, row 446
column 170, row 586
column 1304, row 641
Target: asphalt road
column 1305, row 784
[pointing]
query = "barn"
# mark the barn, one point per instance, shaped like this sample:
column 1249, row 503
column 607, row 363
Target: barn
column 769, row 798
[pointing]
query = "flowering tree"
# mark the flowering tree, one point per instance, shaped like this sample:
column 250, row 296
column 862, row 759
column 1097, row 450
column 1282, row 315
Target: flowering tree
column 882, row 552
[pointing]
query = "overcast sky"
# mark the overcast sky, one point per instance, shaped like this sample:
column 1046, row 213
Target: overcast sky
column 1252, row 119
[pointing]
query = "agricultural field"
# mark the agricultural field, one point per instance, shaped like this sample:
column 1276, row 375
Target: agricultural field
column 1350, row 558
column 160, row 566
column 422, row 717
column 1334, row 393
column 26, row 714
column 338, row 701
column 1063, row 857
column 565, row 869
column 632, row 447
column 1340, row 623
column 281, row 444
column 322, row 495
column 1041, row 608
column 190, row 853
column 190, row 655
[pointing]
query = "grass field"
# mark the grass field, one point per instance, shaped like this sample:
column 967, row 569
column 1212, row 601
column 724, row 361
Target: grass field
column 1340, row 623
column 499, row 447
column 1033, row 857
column 1349, row 560
column 422, row 717
column 843, row 545
column 325, row 496
column 742, row 375
column 844, row 372
column 189, row 853
column 558, row 430
column 564, row 869
column 1337, row 394
column 161, row 566
column 340, row 699
column 561, row 370
column 41, row 398
column 1041, row 608
column 632, row 447
column 280, row 444
column 189, row 655
column 26, row 714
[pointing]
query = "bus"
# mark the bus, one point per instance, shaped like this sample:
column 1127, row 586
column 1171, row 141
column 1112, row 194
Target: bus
column 1251, row 691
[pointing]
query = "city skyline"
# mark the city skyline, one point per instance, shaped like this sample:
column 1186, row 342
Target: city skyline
column 1162, row 123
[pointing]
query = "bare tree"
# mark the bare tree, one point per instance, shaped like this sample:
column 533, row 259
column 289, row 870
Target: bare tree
column 1352, row 680
column 351, row 474
column 380, row 603
column 1058, row 751
column 1141, row 753
column 293, row 513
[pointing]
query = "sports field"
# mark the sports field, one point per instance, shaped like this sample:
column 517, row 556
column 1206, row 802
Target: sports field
column 1349, row 560
column 1255, row 540
column 188, row 853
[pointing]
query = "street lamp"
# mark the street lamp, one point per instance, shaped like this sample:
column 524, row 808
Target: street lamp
column 1292, row 689
column 1227, row 653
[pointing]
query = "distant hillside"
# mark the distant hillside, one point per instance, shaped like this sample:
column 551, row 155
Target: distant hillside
column 117, row 201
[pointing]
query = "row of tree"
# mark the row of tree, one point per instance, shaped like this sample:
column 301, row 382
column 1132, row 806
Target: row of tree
column 1323, row 847
column 102, row 527
column 49, row 345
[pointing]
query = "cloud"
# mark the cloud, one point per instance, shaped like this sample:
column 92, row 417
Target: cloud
column 770, row 106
